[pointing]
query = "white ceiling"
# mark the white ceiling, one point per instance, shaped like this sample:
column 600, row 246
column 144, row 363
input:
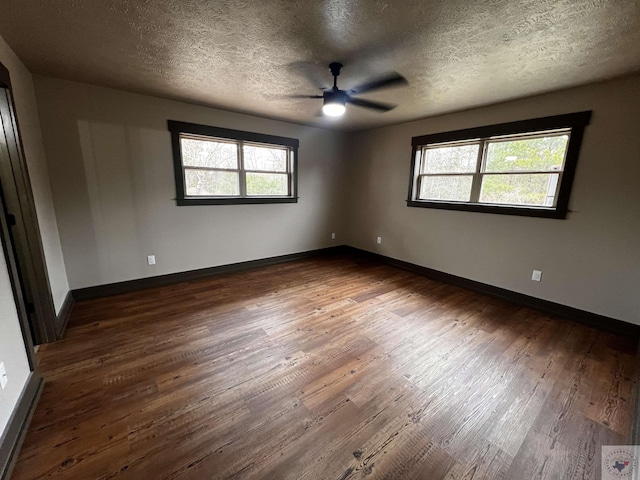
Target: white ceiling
column 248, row 55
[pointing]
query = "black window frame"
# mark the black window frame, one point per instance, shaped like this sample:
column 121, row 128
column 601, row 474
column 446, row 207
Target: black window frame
column 178, row 129
column 576, row 122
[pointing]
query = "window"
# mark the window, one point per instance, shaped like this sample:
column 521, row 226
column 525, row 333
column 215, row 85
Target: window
column 519, row 168
column 216, row 166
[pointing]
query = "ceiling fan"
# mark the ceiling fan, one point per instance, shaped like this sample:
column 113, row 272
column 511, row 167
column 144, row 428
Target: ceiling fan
column 335, row 100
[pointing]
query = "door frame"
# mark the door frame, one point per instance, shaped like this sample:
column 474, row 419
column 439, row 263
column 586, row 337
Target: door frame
column 45, row 328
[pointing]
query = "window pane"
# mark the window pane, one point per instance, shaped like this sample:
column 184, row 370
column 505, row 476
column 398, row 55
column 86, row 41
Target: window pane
column 267, row 184
column 211, row 183
column 525, row 189
column 458, row 159
column 445, row 187
column 203, row 153
column 264, row 158
column 535, row 154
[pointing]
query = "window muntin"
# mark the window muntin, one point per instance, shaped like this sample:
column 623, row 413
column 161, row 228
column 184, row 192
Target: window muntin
column 516, row 168
column 217, row 166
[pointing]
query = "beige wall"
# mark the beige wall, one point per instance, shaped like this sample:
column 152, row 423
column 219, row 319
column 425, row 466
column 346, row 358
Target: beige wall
column 589, row 261
column 111, row 169
column 29, row 123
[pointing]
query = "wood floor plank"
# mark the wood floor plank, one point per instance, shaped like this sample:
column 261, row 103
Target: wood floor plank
column 330, row 368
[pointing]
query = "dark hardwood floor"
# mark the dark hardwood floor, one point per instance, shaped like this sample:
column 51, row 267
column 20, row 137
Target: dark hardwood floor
column 331, row 368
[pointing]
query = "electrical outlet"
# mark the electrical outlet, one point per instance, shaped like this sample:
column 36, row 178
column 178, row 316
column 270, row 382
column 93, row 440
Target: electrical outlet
column 536, row 276
column 333, row 236
column 4, row 378
column 151, row 259
column 379, row 240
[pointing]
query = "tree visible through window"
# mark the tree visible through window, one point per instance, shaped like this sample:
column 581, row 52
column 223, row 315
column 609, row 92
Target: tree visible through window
column 230, row 166
column 527, row 170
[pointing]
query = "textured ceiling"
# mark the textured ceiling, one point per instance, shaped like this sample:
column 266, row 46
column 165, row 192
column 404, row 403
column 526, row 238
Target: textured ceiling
column 248, row 55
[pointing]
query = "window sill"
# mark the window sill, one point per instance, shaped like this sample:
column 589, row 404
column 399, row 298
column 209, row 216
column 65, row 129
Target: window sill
column 234, row 200
column 544, row 212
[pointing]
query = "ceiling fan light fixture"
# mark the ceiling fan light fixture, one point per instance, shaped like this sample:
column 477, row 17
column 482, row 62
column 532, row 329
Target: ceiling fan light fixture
column 333, row 109
column 334, row 103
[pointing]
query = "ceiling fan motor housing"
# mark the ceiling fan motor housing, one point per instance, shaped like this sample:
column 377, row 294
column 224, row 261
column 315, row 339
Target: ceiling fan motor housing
column 335, row 96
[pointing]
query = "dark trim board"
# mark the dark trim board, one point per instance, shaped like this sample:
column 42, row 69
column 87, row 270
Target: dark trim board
column 590, row 319
column 541, row 212
column 210, row 131
column 181, row 202
column 18, row 424
column 64, row 314
column 101, row 291
column 579, row 119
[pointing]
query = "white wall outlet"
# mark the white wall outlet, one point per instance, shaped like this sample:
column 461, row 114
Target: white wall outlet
column 151, row 259
column 333, row 236
column 379, row 240
column 3, row 376
column 536, row 276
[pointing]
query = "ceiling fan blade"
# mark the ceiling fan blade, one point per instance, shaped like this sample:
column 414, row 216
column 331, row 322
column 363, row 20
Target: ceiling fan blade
column 391, row 80
column 305, row 96
column 383, row 107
